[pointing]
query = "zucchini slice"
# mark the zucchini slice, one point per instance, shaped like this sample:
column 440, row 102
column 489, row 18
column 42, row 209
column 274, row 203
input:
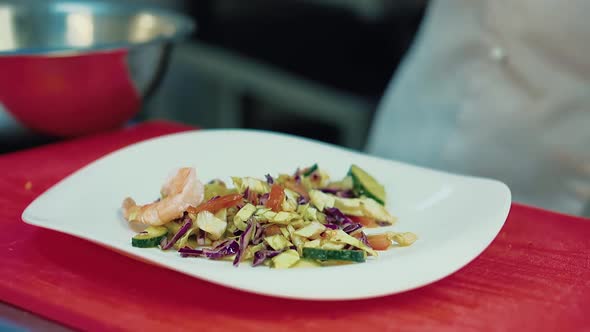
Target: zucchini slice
column 309, row 170
column 151, row 237
column 365, row 184
column 336, row 255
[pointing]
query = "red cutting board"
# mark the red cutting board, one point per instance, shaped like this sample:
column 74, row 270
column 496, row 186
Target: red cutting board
column 535, row 276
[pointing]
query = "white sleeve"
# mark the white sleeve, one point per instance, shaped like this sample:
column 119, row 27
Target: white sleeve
column 497, row 88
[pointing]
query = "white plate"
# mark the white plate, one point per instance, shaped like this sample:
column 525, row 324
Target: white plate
column 455, row 217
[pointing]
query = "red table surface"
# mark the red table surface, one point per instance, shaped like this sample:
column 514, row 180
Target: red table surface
column 535, row 276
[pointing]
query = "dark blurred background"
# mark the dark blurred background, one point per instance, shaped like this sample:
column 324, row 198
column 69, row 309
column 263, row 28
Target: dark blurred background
column 315, row 68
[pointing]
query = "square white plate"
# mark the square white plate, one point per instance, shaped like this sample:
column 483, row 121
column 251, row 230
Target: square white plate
column 455, row 217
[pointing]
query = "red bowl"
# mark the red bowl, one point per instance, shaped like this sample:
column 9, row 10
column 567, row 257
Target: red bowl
column 69, row 94
column 70, row 68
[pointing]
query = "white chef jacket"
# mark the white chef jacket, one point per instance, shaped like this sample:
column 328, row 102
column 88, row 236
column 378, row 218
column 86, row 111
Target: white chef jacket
column 501, row 89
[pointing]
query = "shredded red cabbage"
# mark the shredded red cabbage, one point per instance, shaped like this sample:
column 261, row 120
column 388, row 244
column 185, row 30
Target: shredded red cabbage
column 188, row 251
column 261, row 255
column 221, row 244
column 185, row 227
column 331, row 226
column 226, row 248
column 258, row 235
column 344, row 193
column 246, row 193
column 301, row 200
column 269, row 179
column 364, row 238
column 263, row 198
column 201, row 236
column 244, row 241
column 335, row 216
column 352, row 227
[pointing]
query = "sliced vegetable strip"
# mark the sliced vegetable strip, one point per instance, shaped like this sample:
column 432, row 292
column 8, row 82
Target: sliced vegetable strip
column 276, row 198
column 379, row 242
column 365, row 221
column 217, row 203
column 283, row 221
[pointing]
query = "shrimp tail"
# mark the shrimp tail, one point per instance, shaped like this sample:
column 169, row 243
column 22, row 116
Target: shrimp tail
column 130, row 209
column 179, row 192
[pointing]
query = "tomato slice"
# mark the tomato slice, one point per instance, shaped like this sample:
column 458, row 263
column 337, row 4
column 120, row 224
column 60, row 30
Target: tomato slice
column 365, row 221
column 275, row 198
column 217, row 203
column 379, row 242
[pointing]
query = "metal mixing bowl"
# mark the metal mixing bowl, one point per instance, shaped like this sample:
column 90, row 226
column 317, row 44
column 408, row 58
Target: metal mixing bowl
column 70, row 68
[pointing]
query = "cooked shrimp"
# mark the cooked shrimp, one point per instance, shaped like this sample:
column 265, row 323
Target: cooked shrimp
column 178, row 193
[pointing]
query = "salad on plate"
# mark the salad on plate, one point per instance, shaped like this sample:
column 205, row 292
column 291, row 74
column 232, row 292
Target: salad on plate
column 302, row 219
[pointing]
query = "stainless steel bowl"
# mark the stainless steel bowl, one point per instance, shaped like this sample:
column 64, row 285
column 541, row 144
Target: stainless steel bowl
column 58, row 59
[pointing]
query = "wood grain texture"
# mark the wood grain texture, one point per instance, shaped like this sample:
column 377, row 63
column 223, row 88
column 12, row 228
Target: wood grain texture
column 535, row 276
